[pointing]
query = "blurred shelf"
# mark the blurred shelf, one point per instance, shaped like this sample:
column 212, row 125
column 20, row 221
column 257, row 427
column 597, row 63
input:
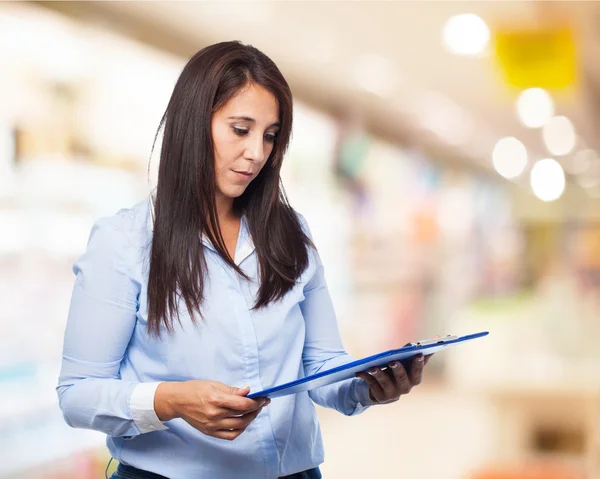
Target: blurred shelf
column 42, row 442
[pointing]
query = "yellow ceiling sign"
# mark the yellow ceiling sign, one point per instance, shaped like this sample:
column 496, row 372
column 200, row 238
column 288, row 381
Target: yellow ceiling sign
column 543, row 58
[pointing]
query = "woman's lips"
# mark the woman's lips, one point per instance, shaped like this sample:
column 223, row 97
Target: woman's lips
column 242, row 174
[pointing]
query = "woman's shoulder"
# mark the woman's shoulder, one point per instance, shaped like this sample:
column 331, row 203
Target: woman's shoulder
column 303, row 223
column 314, row 259
column 131, row 220
column 128, row 230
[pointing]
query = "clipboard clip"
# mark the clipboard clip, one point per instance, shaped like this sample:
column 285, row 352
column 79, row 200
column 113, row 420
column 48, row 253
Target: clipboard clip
column 428, row 342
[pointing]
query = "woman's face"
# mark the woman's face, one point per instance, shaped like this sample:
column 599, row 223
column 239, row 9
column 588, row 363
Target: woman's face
column 243, row 133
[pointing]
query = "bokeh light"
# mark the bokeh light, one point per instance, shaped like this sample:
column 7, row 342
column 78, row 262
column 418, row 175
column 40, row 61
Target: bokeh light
column 466, row 34
column 547, row 179
column 559, row 136
column 535, row 107
column 509, row 157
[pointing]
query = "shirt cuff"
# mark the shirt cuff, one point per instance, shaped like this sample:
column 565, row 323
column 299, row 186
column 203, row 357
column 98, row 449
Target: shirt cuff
column 142, row 408
column 360, row 393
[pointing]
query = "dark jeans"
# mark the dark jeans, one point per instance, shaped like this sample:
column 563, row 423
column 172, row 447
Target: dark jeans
column 129, row 472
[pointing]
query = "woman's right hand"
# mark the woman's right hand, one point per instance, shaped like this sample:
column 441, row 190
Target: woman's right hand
column 211, row 407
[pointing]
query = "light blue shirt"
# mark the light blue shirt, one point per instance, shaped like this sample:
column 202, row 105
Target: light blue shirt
column 111, row 366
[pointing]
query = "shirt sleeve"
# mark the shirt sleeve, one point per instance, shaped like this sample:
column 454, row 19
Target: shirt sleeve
column 101, row 320
column 323, row 348
column 142, row 408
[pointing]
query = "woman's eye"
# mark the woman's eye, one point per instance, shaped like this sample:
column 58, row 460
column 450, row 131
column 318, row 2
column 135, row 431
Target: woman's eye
column 270, row 138
column 240, row 131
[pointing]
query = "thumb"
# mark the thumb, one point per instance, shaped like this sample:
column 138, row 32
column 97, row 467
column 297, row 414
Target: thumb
column 241, row 391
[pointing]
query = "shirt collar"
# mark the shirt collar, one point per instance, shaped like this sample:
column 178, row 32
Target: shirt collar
column 245, row 245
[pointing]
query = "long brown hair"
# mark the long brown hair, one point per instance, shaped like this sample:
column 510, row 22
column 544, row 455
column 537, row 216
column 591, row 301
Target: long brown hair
column 185, row 198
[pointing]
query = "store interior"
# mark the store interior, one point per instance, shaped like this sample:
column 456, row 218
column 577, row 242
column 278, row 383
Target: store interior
column 446, row 156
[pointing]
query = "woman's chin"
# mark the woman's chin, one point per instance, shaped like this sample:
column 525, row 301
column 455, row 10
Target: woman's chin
column 234, row 191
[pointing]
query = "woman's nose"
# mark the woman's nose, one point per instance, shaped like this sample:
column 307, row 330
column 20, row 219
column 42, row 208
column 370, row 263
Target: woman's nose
column 255, row 150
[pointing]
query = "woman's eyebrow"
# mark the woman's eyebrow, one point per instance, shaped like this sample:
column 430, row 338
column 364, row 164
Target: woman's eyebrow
column 247, row 118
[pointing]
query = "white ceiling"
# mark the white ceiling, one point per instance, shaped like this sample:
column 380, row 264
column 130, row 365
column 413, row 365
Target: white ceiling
column 318, row 44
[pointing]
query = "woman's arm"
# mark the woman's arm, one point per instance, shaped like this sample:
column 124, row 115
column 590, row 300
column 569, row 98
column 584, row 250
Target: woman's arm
column 101, row 320
column 323, row 348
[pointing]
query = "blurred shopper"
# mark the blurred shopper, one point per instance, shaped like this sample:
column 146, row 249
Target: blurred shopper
column 209, row 285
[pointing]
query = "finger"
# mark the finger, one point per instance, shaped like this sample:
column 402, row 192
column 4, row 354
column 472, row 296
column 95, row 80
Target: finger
column 240, row 422
column 401, row 379
column 225, row 413
column 416, row 370
column 385, row 381
column 227, row 434
column 230, row 390
column 236, row 404
column 224, row 388
column 259, row 402
column 374, row 386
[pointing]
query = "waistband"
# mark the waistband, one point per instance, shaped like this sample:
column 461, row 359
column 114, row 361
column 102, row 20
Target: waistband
column 129, row 472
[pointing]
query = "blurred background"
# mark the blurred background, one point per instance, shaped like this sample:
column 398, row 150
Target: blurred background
column 446, row 157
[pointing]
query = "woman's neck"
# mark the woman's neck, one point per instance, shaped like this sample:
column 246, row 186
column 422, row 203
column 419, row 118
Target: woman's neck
column 225, row 212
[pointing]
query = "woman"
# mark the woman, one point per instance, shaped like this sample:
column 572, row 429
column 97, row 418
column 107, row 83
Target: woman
column 186, row 302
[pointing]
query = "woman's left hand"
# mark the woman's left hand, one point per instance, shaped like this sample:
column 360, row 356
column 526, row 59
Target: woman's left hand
column 387, row 386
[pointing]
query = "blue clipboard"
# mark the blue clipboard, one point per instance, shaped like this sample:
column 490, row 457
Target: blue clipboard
column 348, row 371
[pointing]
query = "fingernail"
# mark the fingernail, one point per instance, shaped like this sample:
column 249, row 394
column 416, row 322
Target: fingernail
column 245, row 387
column 372, row 371
column 420, row 359
column 394, row 365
